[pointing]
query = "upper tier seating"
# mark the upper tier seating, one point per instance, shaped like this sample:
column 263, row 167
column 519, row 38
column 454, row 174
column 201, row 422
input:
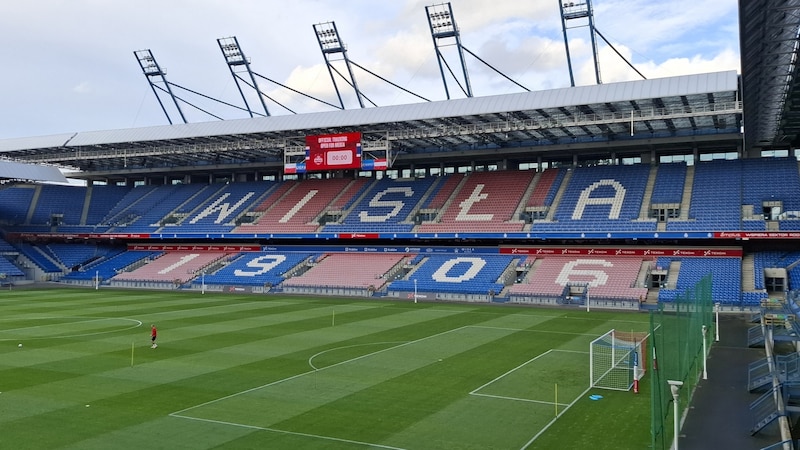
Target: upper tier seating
column 351, row 194
column 669, row 185
column 385, row 207
column 759, row 182
column 597, row 198
column 65, row 201
column 716, row 198
column 443, row 191
column 545, row 190
column 348, row 270
column 125, row 209
column 15, row 202
column 462, row 274
column 155, row 207
column 486, row 201
column 103, row 199
column 298, row 209
column 217, row 210
column 602, row 198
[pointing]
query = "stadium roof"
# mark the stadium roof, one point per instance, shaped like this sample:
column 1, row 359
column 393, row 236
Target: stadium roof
column 30, row 172
column 616, row 115
column 769, row 32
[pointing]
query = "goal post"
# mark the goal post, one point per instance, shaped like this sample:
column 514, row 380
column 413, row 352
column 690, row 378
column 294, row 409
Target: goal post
column 618, row 360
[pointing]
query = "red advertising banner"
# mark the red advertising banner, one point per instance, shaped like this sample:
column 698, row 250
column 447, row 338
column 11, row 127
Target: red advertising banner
column 333, row 152
column 195, row 248
column 359, row 235
column 757, row 235
column 632, row 251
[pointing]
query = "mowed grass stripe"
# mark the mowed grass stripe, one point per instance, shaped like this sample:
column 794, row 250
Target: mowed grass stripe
column 172, row 370
column 217, row 346
column 310, row 390
column 120, row 304
column 409, row 400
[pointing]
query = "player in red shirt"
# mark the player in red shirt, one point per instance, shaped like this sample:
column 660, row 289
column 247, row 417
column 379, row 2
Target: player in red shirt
column 153, row 336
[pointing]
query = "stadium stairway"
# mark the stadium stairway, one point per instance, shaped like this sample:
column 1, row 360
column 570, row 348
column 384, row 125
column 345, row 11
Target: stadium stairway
column 764, row 411
column 760, row 376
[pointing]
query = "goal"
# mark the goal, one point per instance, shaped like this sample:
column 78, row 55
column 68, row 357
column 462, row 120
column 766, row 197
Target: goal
column 618, row 360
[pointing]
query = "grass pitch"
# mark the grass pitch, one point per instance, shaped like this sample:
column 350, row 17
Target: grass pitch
column 238, row 371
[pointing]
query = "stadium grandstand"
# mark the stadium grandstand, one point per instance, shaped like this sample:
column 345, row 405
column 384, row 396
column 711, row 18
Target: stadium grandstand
column 619, row 195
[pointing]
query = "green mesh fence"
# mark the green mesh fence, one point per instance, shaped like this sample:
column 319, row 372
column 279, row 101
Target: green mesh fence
column 676, row 348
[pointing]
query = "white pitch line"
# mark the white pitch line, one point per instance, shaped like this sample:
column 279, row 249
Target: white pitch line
column 518, row 399
column 311, row 358
column 294, row 433
column 33, row 327
column 176, row 413
column 137, row 323
column 533, row 330
column 554, row 419
column 508, row 372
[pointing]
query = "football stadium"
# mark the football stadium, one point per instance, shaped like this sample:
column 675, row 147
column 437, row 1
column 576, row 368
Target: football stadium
column 610, row 266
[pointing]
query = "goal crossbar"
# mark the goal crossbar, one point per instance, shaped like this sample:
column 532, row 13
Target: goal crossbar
column 618, row 359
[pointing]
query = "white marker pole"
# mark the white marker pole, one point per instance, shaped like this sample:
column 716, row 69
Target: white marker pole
column 415, row 290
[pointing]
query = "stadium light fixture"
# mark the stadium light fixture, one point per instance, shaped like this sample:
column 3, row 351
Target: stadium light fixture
column 705, row 353
column 675, row 388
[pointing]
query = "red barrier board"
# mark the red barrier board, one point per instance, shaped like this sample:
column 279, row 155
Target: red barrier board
column 639, row 252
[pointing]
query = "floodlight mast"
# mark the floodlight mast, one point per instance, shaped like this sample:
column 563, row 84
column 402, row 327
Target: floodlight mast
column 578, row 10
column 234, row 57
column 443, row 28
column 571, row 11
column 331, row 44
column 151, row 70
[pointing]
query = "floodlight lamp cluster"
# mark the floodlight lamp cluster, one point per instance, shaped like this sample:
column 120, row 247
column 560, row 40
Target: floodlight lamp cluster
column 441, row 19
column 326, row 33
column 151, row 69
column 576, row 10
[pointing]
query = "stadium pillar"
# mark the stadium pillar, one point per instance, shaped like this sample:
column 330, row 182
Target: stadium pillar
column 705, row 353
column 675, row 388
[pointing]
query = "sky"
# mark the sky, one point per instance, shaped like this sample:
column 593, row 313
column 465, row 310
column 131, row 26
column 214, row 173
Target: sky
column 69, row 65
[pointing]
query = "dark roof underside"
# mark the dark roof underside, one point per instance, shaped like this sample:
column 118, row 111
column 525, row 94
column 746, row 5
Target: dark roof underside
column 768, row 32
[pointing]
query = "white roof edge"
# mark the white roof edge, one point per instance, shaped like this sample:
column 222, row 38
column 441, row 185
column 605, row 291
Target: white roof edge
column 19, row 171
column 725, row 81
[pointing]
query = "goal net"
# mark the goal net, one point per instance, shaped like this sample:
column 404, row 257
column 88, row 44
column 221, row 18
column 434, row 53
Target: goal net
column 617, row 359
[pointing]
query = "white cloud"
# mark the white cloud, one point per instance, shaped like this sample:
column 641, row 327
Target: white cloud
column 75, row 69
column 82, row 88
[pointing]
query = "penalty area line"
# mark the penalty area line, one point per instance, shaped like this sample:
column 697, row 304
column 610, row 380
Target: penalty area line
column 552, row 421
column 293, row 433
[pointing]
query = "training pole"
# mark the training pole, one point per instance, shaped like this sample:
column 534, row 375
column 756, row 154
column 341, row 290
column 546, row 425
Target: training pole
column 333, row 317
